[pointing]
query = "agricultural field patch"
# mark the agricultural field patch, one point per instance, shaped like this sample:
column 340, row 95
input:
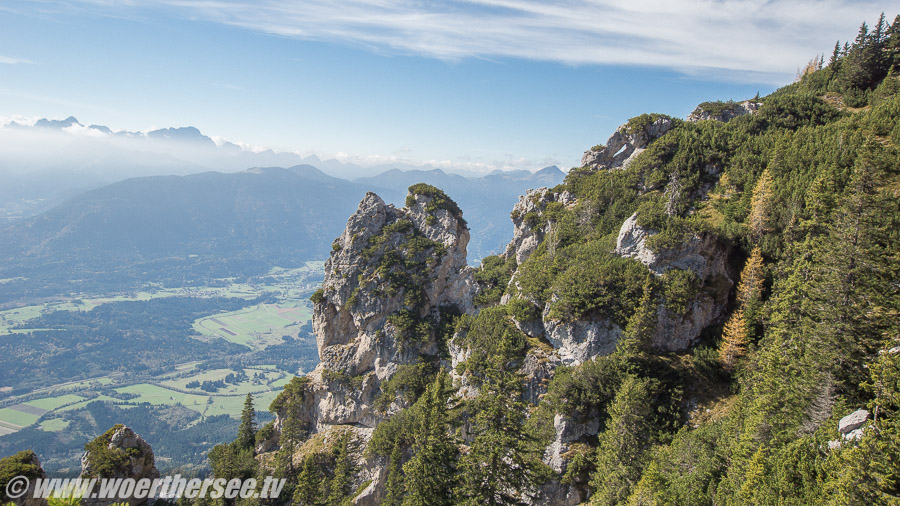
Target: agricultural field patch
column 55, row 425
column 16, row 419
column 258, row 326
column 52, row 403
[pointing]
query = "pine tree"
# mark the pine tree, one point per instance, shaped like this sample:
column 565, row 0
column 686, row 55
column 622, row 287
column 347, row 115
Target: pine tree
column 834, row 61
column 750, row 290
column 892, row 44
column 641, row 326
column 760, row 206
column 309, row 484
column 752, row 277
column 734, row 340
column 623, row 446
column 339, row 487
column 431, row 473
column 852, row 286
column 246, row 436
column 500, row 468
column 395, row 486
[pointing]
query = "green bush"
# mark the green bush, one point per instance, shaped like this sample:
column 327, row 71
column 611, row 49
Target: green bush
column 292, row 394
column 439, row 199
column 409, row 381
column 523, row 310
column 680, row 288
column 17, row 465
column 642, row 122
column 265, row 432
column 492, row 278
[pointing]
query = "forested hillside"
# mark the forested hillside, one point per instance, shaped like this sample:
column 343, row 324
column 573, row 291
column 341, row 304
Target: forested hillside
column 795, row 196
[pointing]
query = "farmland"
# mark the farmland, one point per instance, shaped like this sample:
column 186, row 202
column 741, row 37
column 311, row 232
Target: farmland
column 255, row 327
column 173, row 362
column 54, row 412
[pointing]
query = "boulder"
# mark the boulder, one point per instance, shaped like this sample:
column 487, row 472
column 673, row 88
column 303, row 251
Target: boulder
column 852, row 422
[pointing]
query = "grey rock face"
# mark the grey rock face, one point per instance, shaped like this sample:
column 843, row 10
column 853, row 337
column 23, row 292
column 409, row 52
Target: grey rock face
column 625, row 145
column 578, row 341
column 358, row 346
column 526, row 235
column 702, row 254
column 567, row 431
column 728, row 113
column 537, row 369
column 141, row 464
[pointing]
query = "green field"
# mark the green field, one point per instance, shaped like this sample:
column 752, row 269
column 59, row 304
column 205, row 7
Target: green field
column 258, row 379
column 289, row 285
column 159, row 396
column 255, row 327
column 15, row 417
column 82, row 404
column 55, row 425
column 51, row 403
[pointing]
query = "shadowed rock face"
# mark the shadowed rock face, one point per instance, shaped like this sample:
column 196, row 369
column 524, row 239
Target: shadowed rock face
column 702, row 254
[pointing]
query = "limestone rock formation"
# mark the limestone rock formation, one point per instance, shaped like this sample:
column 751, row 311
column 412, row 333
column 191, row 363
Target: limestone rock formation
column 118, row 453
column 529, row 229
column 702, row 254
column 628, row 141
column 392, row 273
column 581, row 340
column 394, row 278
column 725, row 112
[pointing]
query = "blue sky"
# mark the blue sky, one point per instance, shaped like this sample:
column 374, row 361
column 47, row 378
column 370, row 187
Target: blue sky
column 476, row 85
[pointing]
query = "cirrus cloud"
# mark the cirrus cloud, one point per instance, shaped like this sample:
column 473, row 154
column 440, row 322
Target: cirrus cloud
column 763, row 40
column 12, row 61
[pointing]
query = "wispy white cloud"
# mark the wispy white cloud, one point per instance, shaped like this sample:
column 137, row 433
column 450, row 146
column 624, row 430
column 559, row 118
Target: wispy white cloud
column 763, row 40
column 12, row 61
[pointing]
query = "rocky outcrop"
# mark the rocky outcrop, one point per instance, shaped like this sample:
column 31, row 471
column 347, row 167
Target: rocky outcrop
column 119, row 453
column 628, row 141
column 394, row 276
column 529, row 222
column 705, row 256
column 580, row 340
column 723, row 111
column 17, row 491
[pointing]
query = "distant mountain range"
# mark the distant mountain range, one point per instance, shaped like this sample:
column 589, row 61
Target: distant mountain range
column 51, row 161
column 178, row 229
